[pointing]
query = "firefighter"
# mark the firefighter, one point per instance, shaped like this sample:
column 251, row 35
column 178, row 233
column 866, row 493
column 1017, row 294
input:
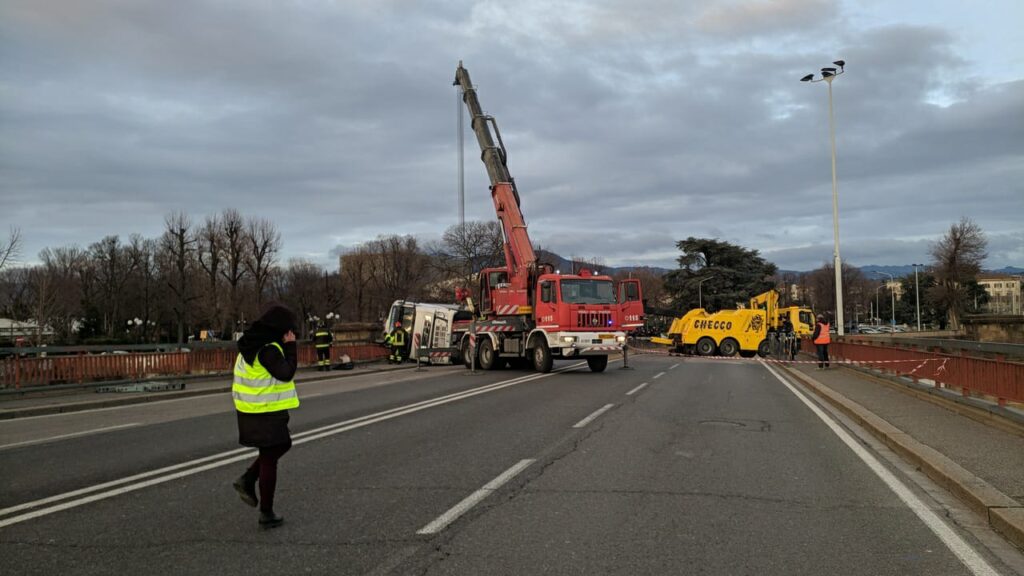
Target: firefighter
column 821, row 339
column 322, row 340
column 396, row 341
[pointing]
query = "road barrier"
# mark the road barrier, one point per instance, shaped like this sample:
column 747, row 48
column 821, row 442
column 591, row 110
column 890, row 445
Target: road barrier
column 35, row 367
column 996, row 378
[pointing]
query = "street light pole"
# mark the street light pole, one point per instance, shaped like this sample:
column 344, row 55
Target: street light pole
column 878, row 309
column 828, row 75
column 700, row 294
column 917, row 296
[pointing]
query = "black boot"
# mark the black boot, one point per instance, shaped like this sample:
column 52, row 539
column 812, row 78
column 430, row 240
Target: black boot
column 245, row 485
column 270, row 520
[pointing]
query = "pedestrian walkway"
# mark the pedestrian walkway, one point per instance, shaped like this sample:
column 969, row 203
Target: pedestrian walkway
column 992, row 454
column 40, row 402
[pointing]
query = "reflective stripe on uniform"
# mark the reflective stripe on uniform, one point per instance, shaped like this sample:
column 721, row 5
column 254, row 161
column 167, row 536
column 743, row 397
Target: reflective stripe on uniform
column 269, row 397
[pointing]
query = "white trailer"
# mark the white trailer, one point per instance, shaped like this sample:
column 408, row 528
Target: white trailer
column 433, row 331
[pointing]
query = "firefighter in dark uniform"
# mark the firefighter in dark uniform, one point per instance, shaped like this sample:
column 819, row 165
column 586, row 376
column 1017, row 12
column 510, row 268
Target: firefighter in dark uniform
column 396, row 341
column 322, row 340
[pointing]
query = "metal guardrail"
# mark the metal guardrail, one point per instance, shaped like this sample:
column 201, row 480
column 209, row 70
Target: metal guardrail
column 996, row 378
column 71, row 364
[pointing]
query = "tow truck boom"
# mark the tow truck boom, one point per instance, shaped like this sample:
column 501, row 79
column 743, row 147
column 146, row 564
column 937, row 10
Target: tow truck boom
column 519, row 254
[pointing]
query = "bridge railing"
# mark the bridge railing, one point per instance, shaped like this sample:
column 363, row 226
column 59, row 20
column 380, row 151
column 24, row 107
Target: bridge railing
column 999, row 378
column 35, row 367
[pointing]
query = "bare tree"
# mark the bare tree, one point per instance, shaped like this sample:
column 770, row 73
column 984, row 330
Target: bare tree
column 401, row 269
column 234, row 244
column 113, row 268
column 957, row 259
column 210, row 256
column 466, row 249
column 178, row 246
column 62, row 267
column 264, row 242
column 11, row 248
column 358, row 275
column 144, row 254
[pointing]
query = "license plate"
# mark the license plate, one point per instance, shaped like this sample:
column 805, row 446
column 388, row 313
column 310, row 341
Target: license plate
column 603, row 336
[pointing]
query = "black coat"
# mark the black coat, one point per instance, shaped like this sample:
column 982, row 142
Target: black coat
column 268, row 428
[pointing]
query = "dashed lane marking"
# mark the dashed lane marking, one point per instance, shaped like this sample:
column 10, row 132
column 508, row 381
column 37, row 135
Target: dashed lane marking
column 637, row 389
column 593, row 416
column 473, row 499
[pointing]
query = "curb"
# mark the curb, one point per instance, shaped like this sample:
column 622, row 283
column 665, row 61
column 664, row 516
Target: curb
column 15, row 413
column 1004, row 514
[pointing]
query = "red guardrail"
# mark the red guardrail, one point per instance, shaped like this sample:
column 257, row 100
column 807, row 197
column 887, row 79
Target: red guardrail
column 16, row 372
column 996, row 378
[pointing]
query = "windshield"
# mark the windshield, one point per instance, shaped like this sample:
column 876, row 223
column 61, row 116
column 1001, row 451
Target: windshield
column 588, row 292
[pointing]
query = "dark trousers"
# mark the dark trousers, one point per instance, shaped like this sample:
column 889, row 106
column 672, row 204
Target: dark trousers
column 822, row 355
column 323, row 357
column 265, row 469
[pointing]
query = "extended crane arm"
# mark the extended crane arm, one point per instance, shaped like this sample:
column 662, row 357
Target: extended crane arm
column 519, row 254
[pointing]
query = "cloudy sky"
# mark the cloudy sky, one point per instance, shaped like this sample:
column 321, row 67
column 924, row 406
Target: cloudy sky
column 630, row 124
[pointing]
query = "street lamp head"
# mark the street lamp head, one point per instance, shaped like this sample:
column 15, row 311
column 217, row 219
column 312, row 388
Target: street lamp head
column 832, row 70
column 840, row 63
column 807, row 78
column 827, row 74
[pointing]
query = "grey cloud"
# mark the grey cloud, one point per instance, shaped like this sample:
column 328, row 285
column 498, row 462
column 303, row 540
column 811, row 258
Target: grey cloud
column 619, row 117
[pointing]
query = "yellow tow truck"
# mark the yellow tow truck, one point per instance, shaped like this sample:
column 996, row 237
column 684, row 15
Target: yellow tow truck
column 742, row 330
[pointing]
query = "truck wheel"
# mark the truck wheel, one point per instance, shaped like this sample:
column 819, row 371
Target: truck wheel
column 488, row 359
column 705, row 346
column 728, row 347
column 542, row 357
column 466, row 359
column 597, row 363
column 764, row 349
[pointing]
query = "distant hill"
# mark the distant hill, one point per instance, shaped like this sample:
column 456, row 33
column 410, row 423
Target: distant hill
column 565, row 265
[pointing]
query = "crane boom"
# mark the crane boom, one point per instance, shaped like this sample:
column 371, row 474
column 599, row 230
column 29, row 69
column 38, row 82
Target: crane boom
column 519, row 254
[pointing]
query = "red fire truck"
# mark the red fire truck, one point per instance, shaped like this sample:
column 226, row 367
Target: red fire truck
column 527, row 310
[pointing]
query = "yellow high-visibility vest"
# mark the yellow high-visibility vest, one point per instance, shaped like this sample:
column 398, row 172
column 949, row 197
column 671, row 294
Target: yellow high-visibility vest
column 322, row 339
column 255, row 390
column 398, row 337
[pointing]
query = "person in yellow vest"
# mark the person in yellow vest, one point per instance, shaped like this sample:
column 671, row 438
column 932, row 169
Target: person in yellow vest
column 264, row 391
column 821, row 339
column 396, row 341
column 322, row 340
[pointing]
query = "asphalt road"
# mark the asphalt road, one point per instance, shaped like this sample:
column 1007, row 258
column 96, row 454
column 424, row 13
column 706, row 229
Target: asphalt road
column 698, row 467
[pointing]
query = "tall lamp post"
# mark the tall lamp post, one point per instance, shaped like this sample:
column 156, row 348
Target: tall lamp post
column 828, row 75
column 700, row 293
column 917, row 295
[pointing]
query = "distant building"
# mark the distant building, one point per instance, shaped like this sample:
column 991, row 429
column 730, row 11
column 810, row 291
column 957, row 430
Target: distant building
column 1005, row 293
column 895, row 286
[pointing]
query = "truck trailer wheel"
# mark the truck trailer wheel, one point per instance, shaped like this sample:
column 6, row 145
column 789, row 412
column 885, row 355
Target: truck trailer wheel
column 542, row 359
column 488, row 358
column 597, row 363
column 764, row 349
column 705, row 346
column 728, row 347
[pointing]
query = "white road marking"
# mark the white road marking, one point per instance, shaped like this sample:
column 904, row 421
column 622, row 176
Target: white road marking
column 970, row 558
column 658, row 375
column 473, row 499
column 673, row 367
column 168, row 473
column 593, row 416
column 637, row 389
column 66, row 436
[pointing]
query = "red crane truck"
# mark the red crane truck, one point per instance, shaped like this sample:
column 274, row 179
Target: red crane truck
column 528, row 313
